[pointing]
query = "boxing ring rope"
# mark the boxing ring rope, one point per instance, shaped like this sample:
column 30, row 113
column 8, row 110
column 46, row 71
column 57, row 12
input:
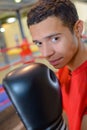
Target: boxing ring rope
column 24, row 53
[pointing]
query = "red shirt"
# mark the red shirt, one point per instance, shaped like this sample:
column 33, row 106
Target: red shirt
column 74, row 92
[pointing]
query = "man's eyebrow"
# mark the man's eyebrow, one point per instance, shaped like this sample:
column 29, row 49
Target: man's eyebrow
column 48, row 36
column 35, row 41
column 52, row 35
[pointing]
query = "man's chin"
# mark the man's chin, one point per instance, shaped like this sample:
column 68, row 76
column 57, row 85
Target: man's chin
column 58, row 66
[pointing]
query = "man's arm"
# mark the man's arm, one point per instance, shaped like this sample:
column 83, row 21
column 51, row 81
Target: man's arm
column 65, row 118
column 84, row 123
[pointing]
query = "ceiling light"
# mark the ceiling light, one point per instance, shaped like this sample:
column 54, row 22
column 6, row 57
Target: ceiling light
column 11, row 20
column 2, row 30
column 17, row 1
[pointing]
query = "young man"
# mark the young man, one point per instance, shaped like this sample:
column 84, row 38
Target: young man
column 57, row 30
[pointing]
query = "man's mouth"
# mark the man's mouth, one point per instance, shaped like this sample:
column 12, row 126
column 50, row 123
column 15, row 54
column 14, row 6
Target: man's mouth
column 56, row 61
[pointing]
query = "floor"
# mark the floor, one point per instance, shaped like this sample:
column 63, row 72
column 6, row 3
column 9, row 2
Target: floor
column 9, row 120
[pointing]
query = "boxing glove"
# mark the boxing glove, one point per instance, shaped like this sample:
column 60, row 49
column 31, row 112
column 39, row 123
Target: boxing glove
column 35, row 93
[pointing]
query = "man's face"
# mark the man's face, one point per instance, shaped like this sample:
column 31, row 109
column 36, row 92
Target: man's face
column 55, row 41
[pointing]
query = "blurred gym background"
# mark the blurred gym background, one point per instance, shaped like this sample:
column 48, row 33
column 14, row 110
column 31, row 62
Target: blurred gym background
column 16, row 49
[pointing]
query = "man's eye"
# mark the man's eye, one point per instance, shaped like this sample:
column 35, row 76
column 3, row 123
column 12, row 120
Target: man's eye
column 38, row 44
column 55, row 39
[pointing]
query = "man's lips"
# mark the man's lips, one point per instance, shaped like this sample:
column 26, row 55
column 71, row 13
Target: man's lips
column 56, row 61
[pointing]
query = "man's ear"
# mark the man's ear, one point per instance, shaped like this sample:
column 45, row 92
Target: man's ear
column 78, row 28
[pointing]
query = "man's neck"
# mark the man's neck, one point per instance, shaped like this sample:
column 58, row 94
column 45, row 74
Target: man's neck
column 79, row 58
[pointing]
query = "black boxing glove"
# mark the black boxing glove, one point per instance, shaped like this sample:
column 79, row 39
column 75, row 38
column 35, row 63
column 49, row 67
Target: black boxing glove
column 35, row 93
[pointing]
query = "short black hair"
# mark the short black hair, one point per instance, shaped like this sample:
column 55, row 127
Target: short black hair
column 63, row 9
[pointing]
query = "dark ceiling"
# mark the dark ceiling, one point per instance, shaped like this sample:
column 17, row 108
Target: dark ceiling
column 8, row 7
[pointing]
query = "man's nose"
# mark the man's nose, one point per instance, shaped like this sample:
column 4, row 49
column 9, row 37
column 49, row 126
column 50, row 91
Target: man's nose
column 47, row 51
